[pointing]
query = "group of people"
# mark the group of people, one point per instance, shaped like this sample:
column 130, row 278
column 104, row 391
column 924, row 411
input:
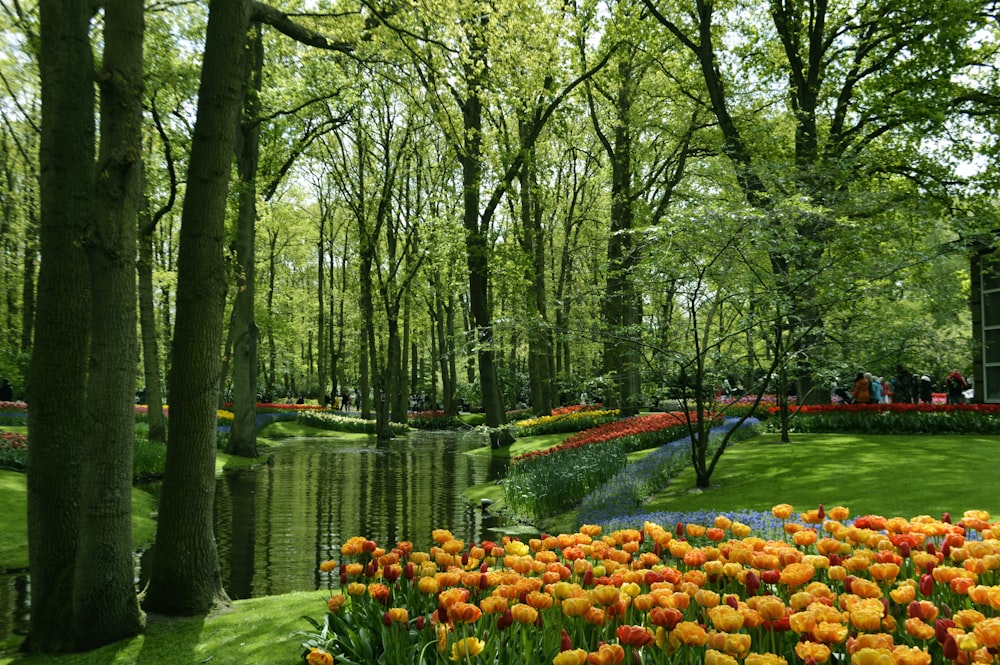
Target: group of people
column 906, row 388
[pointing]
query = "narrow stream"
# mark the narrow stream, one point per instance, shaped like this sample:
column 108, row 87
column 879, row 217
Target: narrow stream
column 277, row 522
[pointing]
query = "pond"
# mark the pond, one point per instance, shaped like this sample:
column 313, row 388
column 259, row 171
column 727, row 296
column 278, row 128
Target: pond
column 277, row 522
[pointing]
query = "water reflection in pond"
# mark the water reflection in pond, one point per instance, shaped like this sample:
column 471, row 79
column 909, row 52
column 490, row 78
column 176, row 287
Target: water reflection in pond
column 275, row 524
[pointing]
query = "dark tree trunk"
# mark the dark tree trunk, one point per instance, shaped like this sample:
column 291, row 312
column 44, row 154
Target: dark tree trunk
column 150, row 346
column 105, row 607
column 57, row 376
column 533, row 242
column 622, row 308
column 185, row 578
column 243, row 435
column 477, row 258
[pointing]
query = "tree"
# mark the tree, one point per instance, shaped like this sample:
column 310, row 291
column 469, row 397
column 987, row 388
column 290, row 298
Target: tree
column 105, row 608
column 863, row 87
column 185, row 578
column 57, row 380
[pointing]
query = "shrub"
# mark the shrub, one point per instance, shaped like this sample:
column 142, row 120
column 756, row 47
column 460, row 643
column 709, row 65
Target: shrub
column 339, row 423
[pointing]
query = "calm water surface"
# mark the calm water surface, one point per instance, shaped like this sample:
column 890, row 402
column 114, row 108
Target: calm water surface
column 276, row 523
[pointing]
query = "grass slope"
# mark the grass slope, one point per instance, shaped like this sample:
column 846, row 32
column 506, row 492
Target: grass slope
column 14, row 520
column 258, row 631
column 885, row 474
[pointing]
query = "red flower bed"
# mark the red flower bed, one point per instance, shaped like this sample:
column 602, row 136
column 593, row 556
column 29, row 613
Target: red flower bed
column 640, row 426
column 991, row 409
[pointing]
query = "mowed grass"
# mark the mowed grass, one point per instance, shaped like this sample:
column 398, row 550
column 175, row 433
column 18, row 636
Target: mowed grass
column 885, row 475
column 258, row 631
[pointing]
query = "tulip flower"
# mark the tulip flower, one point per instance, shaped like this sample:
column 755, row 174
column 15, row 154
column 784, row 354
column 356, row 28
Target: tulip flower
column 465, row 648
column 319, row 657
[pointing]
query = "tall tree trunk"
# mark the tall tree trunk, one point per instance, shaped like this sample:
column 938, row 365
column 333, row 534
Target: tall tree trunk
column 533, row 243
column 185, row 578
column 150, row 346
column 243, row 435
column 57, row 376
column 28, row 282
column 105, row 607
column 477, row 258
column 321, row 334
column 622, row 308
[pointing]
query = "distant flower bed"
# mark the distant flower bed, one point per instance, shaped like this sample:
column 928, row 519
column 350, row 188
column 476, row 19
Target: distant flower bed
column 433, row 420
column 274, row 406
column 13, row 413
column 639, row 432
column 897, row 418
column 13, row 450
column 340, row 423
column 541, row 483
column 573, row 408
column 812, row 588
column 567, row 419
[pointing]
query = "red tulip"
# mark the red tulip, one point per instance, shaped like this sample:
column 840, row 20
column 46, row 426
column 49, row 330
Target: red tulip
column 565, row 644
column 946, row 518
column 941, row 627
column 821, row 513
column 752, row 583
column 927, row 584
column 950, row 647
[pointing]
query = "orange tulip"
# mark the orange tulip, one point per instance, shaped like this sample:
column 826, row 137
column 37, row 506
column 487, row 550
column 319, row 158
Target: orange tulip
column 764, row 659
column 812, row 650
column 493, row 605
column 829, row 632
column 706, row 598
column 635, row 636
column 466, row 648
column 575, row 607
column 902, row 655
column 918, row 628
column 464, row 613
column 606, row 654
column 539, row 600
column 690, row 634
column 570, row 657
column 796, row 574
column 988, row 632
column 336, row 602
column 525, row 614
column 872, row 657
column 713, row 657
column 782, row 511
column 725, row 618
column 319, row 657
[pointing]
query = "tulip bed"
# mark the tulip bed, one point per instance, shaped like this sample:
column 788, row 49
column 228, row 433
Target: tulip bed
column 820, row 588
column 543, row 482
column 897, row 418
column 566, row 419
column 433, row 420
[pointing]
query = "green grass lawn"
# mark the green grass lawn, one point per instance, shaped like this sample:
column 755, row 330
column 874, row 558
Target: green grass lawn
column 887, row 475
column 258, row 631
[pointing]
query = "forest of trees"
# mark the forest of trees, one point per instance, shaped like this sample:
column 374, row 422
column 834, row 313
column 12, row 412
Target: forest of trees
column 501, row 204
